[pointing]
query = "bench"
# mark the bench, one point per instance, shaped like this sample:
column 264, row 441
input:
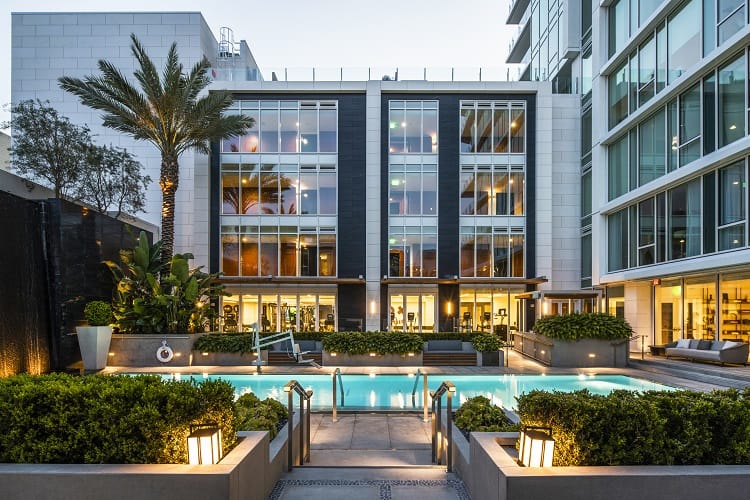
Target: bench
column 447, row 353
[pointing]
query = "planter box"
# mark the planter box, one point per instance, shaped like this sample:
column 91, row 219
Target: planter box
column 366, row 360
column 227, row 358
column 135, row 350
column 494, row 475
column 492, row 358
column 572, row 353
column 94, row 342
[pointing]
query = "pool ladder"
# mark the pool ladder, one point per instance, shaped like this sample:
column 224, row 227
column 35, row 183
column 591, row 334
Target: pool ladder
column 425, row 394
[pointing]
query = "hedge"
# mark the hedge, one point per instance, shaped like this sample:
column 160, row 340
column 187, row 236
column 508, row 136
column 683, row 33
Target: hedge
column 254, row 414
column 378, row 342
column 96, row 419
column 583, row 326
column 241, row 342
column 650, row 428
column 478, row 414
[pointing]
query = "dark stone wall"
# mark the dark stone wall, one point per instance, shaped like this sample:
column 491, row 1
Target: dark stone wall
column 24, row 311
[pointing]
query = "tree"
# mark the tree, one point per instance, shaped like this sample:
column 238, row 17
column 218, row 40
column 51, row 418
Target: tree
column 47, row 147
column 165, row 111
column 113, row 181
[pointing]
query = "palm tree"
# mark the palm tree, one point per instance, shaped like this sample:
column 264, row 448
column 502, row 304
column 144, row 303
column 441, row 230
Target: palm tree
column 166, row 111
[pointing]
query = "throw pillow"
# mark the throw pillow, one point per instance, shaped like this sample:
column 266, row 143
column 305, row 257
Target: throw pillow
column 693, row 344
column 683, row 343
column 729, row 344
column 704, row 345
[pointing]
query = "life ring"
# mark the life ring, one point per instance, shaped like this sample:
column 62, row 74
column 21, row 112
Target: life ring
column 164, row 353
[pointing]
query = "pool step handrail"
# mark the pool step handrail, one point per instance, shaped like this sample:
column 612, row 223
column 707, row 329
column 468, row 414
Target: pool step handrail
column 437, row 438
column 291, row 388
column 425, row 418
column 336, row 375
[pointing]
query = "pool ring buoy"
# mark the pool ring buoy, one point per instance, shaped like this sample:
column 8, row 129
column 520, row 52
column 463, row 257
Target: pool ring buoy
column 164, row 353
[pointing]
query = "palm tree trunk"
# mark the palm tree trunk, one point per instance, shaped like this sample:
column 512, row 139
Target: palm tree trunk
column 168, row 181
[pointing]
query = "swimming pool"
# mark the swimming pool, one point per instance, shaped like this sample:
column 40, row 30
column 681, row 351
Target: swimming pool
column 394, row 392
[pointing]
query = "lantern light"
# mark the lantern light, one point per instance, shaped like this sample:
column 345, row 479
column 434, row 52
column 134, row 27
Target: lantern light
column 536, row 446
column 204, row 444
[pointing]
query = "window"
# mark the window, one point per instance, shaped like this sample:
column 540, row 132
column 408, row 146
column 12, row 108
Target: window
column 651, row 148
column 487, row 251
column 618, row 168
column 412, row 251
column 646, row 237
column 732, row 196
column 492, row 127
column 685, row 220
column 618, row 26
column 412, row 127
column 412, row 192
column 586, row 199
column 617, row 240
column 495, row 190
column 646, row 71
column 690, row 125
column 732, row 103
column 618, row 95
column 730, row 18
column 684, row 39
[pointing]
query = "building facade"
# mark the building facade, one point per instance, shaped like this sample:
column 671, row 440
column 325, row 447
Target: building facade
column 368, row 205
column 664, row 164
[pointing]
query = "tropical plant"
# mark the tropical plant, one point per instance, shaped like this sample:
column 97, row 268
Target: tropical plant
column 166, row 111
column 98, row 313
column 47, row 147
column 584, row 326
column 179, row 303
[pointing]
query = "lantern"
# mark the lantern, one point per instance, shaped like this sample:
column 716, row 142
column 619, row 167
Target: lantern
column 536, row 446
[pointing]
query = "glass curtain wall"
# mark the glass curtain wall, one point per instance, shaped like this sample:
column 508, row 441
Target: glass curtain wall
column 488, row 310
column 271, row 312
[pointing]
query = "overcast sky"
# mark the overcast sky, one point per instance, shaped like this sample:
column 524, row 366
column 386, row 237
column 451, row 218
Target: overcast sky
column 323, row 33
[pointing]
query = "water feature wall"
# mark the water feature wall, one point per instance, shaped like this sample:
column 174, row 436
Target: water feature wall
column 49, row 269
column 24, row 311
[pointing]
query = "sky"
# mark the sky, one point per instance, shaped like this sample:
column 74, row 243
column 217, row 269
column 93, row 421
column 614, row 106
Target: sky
column 323, row 33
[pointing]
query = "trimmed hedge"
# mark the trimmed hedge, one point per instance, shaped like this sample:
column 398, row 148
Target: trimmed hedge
column 650, row 428
column 256, row 415
column 583, row 326
column 241, row 342
column 478, row 414
column 378, row 342
column 486, row 342
column 97, row 419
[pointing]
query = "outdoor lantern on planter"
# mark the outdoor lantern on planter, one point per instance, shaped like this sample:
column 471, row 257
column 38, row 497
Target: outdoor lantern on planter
column 536, row 446
column 204, row 444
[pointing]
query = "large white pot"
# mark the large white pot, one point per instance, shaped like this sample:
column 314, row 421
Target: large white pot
column 94, row 344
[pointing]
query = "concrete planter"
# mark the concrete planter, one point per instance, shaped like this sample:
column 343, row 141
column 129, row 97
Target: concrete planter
column 94, row 342
column 250, row 471
column 494, row 474
column 227, row 358
column 341, row 359
column 491, row 358
column 582, row 353
column 140, row 350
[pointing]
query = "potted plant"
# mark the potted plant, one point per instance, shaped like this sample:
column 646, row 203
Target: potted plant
column 94, row 339
column 489, row 346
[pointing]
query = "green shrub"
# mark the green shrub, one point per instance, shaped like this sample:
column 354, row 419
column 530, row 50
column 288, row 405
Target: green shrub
column 486, row 342
column 378, row 342
column 98, row 313
column 226, row 342
column 426, row 336
column 650, row 428
column 107, row 419
column 478, row 414
column 584, row 326
column 256, row 415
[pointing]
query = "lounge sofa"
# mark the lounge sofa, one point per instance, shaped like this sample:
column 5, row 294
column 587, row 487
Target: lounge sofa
column 709, row 350
column 448, row 353
column 282, row 353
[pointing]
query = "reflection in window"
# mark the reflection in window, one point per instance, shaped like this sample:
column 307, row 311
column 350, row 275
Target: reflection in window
column 230, row 254
column 652, row 148
column 499, row 192
column 732, row 193
column 488, row 127
column 684, row 39
column 412, row 251
column 617, row 240
column 484, row 254
column 732, row 80
column 685, row 220
column 690, row 125
column 646, row 239
column 412, row 127
column 618, row 168
column 730, row 18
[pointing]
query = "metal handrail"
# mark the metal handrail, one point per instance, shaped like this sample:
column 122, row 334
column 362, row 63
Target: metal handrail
column 437, row 441
column 425, row 411
column 291, row 388
column 337, row 375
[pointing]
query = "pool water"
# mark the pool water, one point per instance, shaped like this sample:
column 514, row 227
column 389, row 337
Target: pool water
column 394, row 392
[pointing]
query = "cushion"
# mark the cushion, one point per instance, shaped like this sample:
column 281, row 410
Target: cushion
column 729, row 344
column 704, row 345
column 717, row 345
column 444, row 345
column 693, row 344
column 683, row 344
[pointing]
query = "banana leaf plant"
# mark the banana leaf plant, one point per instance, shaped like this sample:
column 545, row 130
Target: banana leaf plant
column 179, row 302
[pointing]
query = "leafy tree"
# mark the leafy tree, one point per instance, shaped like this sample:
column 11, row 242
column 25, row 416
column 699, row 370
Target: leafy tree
column 47, row 147
column 113, row 180
column 166, row 111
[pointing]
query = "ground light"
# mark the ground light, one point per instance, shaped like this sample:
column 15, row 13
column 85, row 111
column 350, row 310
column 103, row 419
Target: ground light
column 204, row 444
column 536, row 446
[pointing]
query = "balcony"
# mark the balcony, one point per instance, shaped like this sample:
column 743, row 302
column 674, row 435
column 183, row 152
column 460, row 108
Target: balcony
column 232, row 74
column 520, row 46
column 516, row 11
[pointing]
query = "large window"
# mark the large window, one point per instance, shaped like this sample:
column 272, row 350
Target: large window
column 732, row 84
column 412, row 251
column 309, row 311
column 491, row 252
column 412, row 189
column 651, row 148
column 618, row 168
column 492, row 127
column 684, row 39
column 487, row 190
column 412, row 127
column 732, row 199
column 684, row 220
column 286, row 127
column 730, row 18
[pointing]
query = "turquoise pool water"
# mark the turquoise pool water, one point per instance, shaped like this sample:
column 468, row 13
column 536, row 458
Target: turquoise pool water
column 394, row 392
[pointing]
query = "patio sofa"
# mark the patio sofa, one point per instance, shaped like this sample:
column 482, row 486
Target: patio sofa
column 448, row 353
column 709, row 350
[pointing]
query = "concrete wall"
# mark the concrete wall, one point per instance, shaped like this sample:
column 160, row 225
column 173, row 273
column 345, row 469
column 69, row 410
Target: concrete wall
column 4, row 153
column 140, row 350
column 582, row 353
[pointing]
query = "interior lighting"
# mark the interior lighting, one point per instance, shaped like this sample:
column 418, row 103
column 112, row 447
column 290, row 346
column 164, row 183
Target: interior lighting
column 733, row 127
column 204, row 445
column 536, row 446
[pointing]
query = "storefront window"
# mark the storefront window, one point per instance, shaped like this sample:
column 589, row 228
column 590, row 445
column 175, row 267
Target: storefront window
column 735, row 307
column 274, row 313
column 412, row 310
column 700, row 309
column 487, row 310
column 667, row 315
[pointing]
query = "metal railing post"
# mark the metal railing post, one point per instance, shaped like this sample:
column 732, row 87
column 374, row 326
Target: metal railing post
column 434, row 431
column 425, row 391
column 449, row 426
column 334, row 416
column 437, row 425
column 304, row 420
column 307, row 448
column 301, row 430
column 290, row 430
column 439, row 430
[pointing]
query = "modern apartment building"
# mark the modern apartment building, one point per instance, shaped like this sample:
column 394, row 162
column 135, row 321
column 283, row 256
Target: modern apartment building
column 664, row 145
column 374, row 204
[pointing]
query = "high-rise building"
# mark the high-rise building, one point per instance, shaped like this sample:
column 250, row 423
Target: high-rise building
column 410, row 205
column 663, row 87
